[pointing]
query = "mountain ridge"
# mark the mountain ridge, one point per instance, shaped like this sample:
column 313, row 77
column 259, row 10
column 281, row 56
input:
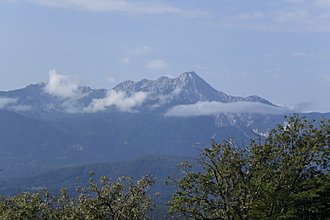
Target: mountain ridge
column 158, row 94
column 189, row 88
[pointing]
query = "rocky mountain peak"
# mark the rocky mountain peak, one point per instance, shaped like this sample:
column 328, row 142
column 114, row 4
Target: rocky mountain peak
column 191, row 79
column 165, row 92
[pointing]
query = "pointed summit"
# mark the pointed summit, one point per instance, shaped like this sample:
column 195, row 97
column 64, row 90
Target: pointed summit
column 195, row 89
column 187, row 88
column 193, row 81
column 190, row 77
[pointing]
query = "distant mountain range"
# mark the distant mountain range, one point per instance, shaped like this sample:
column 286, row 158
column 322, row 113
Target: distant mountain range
column 146, row 95
column 59, row 123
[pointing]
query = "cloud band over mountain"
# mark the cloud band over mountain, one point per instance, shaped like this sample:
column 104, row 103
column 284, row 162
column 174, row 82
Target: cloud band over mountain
column 5, row 102
column 188, row 95
column 213, row 108
column 117, row 99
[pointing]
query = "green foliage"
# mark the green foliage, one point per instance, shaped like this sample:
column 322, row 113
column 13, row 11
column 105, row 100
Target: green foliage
column 284, row 177
column 122, row 199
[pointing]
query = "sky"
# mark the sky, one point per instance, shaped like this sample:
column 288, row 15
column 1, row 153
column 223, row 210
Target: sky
column 279, row 50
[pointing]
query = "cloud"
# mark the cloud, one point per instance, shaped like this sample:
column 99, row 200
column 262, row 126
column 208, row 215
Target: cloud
column 138, row 50
column 283, row 15
column 117, row 99
column 21, row 108
column 5, row 102
column 131, row 7
column 157, row 65
column 62, row 86
column 302, row 107
column 11, row 104
column 324, row 77
column 110, row 79
column 200, row 67
column 11, row 1
column 310, row 55
column 213, row 108
column 131, row 53
column 125, row 60
column 164, row 99
column 302, row 54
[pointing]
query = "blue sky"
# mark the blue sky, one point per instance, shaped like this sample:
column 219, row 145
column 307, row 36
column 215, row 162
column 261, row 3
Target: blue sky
column 279, row 49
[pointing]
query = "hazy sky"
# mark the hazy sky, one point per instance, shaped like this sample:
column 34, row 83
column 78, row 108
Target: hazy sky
column 277, row 49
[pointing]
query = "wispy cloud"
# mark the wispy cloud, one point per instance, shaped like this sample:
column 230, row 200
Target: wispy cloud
column 21, row 108
column 310, row 55
column 62, row 86
column 137, row 50
column 200, row 67
column 5, row 102
column 164, row 99
column 125, row 60
column 13, row 104
column 131, row 7
column 213, row 108
column 130, row 53
column 110, row 79
column 283, row 15
column 325, row 77
column 157, row 64
column 117, row 99
column 302, row 107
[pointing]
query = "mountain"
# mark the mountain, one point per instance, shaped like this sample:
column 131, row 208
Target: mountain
column 46, row 126
column 188, row 88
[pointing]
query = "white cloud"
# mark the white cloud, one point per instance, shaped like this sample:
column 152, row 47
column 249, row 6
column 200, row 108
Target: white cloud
column 302, row 54
column 11, row 1
column 302, row 107
column 310, row 55
column 213, row 108
column 125, row 60
column 21, row 108
column 11, row 104
column 5, row 102
column 164, row 99
column 157, row 65
column 137, row 51
column 131, row 53
column 324, row 77
column 284, row 15
column 200, row 67
column 62, row 86
column 110, row 79
column 122, row 6
column 119, row 100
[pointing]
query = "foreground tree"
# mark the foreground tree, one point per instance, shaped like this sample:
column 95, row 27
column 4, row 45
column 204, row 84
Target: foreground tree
column 286, row 176
column 122, row 199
